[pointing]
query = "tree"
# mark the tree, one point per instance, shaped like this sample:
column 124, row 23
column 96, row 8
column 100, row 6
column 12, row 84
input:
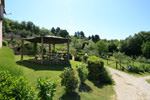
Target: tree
column 53, row 30
column 102, row 47
column 82, row 34
column 112, row 47
column 57, row 30
column 97, row 38
column 63, row 33
column 146, row 49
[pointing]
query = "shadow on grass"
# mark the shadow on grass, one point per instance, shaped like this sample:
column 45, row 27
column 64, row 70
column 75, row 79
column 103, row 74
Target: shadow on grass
column 37, row 66
column 99, row 84
column 73, row 96
column 84, row 88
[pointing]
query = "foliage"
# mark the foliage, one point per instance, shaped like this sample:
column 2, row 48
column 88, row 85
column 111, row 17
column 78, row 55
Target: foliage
column 4, row 43
column 7, row 61
column 112, row 47
column 132, row 45
column 82, row 72
column 23, row 29
column 120, row 57
column 47, row 89
column 102, row 47
column 95, row 38
column 97, row 70
column 14, row 88
column 69, row 80
column 13, row 42
column 77, row 58
column 136, row 69
column 63, row 33
column 79, row 34
column 146, row 49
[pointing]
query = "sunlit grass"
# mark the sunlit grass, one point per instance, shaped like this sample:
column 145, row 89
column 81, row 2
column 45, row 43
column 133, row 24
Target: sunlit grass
column 7, row 61
column 92, row 91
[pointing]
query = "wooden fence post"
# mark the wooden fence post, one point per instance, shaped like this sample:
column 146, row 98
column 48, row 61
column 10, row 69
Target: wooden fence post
column 116, row 65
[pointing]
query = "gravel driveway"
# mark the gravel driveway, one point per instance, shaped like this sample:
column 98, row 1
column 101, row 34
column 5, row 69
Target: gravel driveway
column 128, row 87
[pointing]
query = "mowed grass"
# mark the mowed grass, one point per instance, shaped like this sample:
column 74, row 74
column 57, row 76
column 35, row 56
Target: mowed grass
column 148, row 80
column 7, row 62
column 90, row 91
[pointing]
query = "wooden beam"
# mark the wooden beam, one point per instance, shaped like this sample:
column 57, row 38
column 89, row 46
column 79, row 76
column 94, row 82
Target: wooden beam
column 42, row 50
column 49, row 47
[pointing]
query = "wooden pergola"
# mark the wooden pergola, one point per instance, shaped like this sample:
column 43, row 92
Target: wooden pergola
column 51, row 40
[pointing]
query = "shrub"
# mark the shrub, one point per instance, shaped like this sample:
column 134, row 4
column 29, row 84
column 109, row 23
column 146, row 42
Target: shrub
column 14, row 88
column 97, row 70
column 82, row 72
column 78, row 58
column 147, row 68
column 47, row 89
column 85, row 57
column 95, row 65
column 4, row 43
column 70, row 56
column 13, row 42
column 136, row 69
column 69, row 80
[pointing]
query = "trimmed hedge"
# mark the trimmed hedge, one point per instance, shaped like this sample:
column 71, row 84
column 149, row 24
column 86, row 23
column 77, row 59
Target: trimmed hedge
column 69, row 80
column 5, row 43
column 97, row 70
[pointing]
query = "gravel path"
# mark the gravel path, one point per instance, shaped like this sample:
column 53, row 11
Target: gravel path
column 128, row 87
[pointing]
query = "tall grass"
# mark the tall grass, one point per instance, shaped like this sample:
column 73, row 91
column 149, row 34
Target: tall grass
column 7, row 61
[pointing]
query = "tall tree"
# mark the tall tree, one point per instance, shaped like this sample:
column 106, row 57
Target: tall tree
column 146, row 49
column 102, row 47
column 63, row 33
column 53, row 30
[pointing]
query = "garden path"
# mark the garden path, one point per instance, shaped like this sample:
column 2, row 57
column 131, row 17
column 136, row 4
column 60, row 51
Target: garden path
column 128, row 87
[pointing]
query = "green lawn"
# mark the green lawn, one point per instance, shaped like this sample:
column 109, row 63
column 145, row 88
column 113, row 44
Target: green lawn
column 148, row 80
column 90, row 91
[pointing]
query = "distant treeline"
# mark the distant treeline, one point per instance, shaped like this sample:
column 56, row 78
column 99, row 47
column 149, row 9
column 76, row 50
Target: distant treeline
column 29, row 29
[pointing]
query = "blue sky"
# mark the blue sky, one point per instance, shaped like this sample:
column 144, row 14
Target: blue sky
column 110, row 19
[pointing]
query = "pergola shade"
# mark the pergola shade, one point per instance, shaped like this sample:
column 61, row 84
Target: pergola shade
column 48, row 40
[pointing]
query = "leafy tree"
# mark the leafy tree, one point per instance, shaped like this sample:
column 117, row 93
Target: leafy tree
column 102, row 47
column 63, row 33
column 79, row 34
column 112, row 47
column 132, row 45
column 146, row 49
column 97, row 38
column 53, row 30
column 57, row 31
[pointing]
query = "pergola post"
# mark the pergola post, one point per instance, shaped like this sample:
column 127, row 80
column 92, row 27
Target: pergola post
column 42, row 50
column 49, row 47
column 35, row 48
column 68, row 50
column 21, row 49
column 54, row 47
